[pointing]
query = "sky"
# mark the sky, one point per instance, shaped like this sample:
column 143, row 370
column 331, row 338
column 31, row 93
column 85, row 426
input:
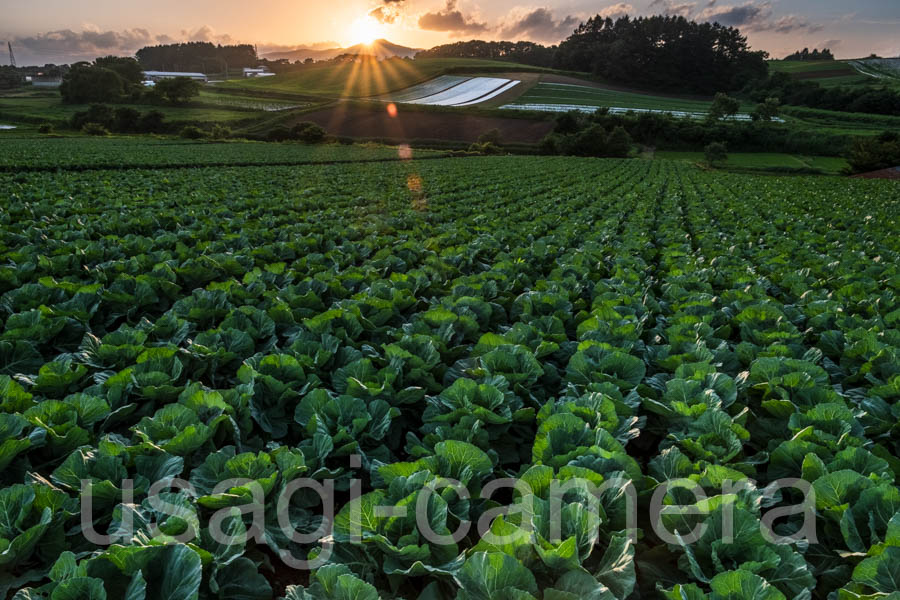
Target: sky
column 61, row 31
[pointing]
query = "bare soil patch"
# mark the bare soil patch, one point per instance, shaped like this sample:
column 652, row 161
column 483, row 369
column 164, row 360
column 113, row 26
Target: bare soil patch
column 366, row 123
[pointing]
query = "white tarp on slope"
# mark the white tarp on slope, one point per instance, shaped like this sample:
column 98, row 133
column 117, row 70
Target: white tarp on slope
column 492, row 95
column 469, row 92
column 424, row 90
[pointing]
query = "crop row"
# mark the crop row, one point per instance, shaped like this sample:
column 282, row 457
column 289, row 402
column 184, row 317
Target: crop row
column 388, row 327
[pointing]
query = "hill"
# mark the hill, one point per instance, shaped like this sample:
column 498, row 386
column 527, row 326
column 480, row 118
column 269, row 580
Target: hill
column 832, row 73
column 365, row 78
column 380, row 49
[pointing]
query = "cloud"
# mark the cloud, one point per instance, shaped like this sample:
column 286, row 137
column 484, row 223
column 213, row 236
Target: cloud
column 831, row 44
column 752, row 16
column 65, row 45
column 451, row 20
column 206, row 34
column 388, row 11
column 540, row 25
column 678, row 9
column 68, row 46
column 617, row 10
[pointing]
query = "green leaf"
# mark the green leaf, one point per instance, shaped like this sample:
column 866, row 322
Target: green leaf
column 240, row 580
column 742, row 585
column 492, row 576
column 79, row 588
column 616, row 569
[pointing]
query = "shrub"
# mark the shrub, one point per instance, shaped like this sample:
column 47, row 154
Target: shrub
column 152, row 122
column 308, row 133
column 486, row 148
column 279, row 134
column 94, row 129
column 715, row 153
column 220, row 132
column 723, row 106
column 491, row 136
column 618, row 145
column 589, row 142
column 569, row 122
column 45, row 128
column 192, row 132
column 126, row 120
column 874, row 154
column 101, row 114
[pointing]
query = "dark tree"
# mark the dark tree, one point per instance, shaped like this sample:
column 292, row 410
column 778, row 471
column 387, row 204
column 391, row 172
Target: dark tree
column 874, row 154
column 126, row 120
column 88, row 83
column 127, row 68
column 10, row 78
column 723, row 107
column 204, row 57
column 805, row 54
column 663, row 53
column 715, row 153
column 526, row 53
column 152, row 122
column 618, row 145
column 177, row 90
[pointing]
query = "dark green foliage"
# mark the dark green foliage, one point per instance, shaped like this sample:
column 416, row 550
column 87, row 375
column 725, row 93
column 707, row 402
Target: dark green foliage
column 177, row 90
column 203, row 57
column 768, row 110
column 152, row 121
column 491, row 136
column 308, row 133
column 593, row 323
column 723, row 107
column 524, row 53
column 618, row 144
column 798, row 92
column 127, row 68
column 96, row 129
column 662, row 53
column 874, row 154
column 126, row 120
column 715, row 153
column 10, row 78
column 192, row 132
column 805, row 54
column 220, row 132
column 45, row 128
column 99, row 114
column 486, row 148
column 85, row 83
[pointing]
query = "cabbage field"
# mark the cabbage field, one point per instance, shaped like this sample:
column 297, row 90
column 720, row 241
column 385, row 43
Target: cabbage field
column 485, row 378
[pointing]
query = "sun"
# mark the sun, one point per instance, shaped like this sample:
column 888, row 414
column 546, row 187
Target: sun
column 365, row 30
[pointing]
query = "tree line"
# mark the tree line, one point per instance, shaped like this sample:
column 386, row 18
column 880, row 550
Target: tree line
column 203, row 57
column 659, row 52
column 117, row 79
column 526, row 53
column 877, row 100
column 805, row 54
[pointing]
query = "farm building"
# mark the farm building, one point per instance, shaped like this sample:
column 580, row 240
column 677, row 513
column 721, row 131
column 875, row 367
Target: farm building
column 260, row 72
column 46, row 82
column 157, row 75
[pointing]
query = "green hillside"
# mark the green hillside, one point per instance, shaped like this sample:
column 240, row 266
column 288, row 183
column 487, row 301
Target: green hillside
column 369, row 78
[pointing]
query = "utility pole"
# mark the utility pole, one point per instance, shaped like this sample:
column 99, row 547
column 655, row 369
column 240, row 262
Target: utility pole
column 12, row 57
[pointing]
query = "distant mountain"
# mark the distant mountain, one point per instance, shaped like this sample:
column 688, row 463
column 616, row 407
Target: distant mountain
column 380, row 48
